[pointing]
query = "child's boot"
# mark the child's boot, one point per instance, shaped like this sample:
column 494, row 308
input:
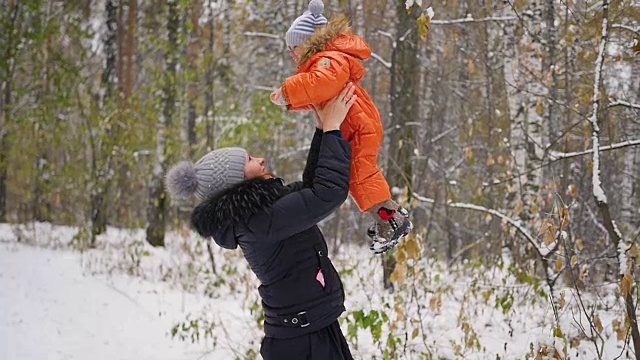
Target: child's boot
column 391, row 223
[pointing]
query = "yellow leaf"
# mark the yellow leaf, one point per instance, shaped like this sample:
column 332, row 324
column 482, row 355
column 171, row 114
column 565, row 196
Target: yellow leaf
column 558, row 264
column 424, row 24
column 574, row 260
column 471, row 67
column 400, row 313
column 540, row 108
column 633, row 251
column 468, row 153
column 626, row 283
column 399, row 275
column 486, row 295
column 415, row 333
column 563, row 214
column 562, row 301
column 598, row 324
column 575, row 342
column 412, row 248
column 448, row 49
column 620, row 330
column 590, row 165
column 519, row 207
column 583, row 275
column 401, row 256
column 549, row 231
column 579, row 245
column 435, row 304
column 490, row 160
column 488, row 218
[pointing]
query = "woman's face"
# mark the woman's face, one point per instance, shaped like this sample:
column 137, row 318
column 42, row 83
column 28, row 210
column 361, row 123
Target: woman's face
column 253, row 167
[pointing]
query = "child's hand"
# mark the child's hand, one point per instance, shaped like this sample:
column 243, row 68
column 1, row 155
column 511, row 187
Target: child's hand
column 278, row 98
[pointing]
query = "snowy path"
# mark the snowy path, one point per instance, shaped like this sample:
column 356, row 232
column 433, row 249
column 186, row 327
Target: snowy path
column 49, row 310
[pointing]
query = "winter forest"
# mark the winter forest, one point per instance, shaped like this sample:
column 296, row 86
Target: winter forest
column 512, row 134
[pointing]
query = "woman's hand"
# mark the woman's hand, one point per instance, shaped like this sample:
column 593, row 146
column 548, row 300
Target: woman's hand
column 319, row 124
column 335, row 110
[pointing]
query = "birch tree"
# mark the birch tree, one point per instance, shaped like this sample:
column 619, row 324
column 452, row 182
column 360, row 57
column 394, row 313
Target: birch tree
column 102, row 153
column 156, row 208
column 625, row 264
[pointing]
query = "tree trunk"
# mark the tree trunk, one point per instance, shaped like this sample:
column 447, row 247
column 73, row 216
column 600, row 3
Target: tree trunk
column 130, row 49
column 188, row 132
column 102, row 167
column 625, row 264
column 209, row 103
column 156, row 209
column 7, row 71
column 404, row 109
column 629, row 189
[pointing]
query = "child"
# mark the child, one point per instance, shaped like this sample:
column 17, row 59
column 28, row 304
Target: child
column 328, row 56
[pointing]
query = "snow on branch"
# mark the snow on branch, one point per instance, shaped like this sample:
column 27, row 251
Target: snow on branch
column 635, row 30
column 556, row 155
column 262, row 34
column 386, row 34
column 598, row 192
column 264, row 88
column 382, row 61
column 624, row 103
column 515, row 223
column 470, row 19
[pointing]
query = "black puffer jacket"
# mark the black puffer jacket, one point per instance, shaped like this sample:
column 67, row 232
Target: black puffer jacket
column 275, row 226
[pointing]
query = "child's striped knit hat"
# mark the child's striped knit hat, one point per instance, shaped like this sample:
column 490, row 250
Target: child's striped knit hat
column 306, row 24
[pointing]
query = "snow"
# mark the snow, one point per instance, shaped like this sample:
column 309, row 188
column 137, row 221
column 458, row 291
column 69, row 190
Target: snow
column 122, row 299
column 598, row 192
column 430, row 12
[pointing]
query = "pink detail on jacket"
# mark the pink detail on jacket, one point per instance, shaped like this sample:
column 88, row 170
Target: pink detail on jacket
column 320, row 277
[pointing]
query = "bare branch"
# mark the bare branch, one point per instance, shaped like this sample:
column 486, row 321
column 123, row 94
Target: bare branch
column 262, row 34
column 624, row 103
column 264, row 88
column 635, row 30
column 515, row 223
column 404, row 36
column 555, row 155
column 443, row 134
column 386, row 34
column 469, row 19
column 382, row 61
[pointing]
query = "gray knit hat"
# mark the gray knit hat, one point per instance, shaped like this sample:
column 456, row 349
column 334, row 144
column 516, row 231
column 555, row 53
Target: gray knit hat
column 213, row 173
column 306, row 24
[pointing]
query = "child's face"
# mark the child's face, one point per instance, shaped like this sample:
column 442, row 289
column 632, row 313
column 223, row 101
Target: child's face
column 293, row 52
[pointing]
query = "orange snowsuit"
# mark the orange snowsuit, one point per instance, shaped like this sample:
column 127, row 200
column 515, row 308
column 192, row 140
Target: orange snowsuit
column 332, row 59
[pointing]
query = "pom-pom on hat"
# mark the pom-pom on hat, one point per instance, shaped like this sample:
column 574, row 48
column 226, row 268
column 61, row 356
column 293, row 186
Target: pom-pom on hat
column 213, row 173
column 306, row 24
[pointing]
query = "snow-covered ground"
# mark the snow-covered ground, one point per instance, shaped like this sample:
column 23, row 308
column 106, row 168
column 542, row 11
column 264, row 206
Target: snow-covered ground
column 125, row 300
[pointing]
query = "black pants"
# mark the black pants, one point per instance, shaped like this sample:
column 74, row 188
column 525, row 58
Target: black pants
column 324, row 344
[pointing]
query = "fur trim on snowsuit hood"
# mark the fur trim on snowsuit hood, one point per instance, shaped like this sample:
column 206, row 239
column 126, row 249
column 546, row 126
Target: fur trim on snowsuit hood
column 215, row 216
column 336, row 36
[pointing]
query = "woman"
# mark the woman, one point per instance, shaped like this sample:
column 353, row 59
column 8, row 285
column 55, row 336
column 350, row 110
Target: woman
column 275, row 225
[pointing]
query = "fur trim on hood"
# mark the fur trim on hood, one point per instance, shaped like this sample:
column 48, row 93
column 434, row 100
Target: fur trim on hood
column 235, row 205
column 338, row 25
